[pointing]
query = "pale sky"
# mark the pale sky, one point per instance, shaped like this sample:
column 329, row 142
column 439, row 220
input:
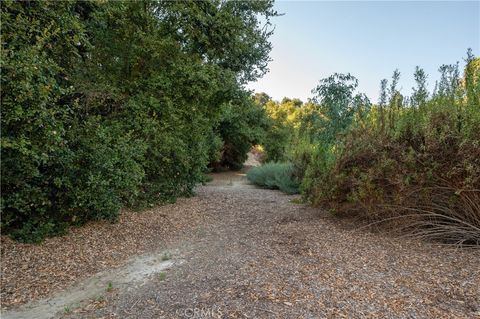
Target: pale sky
column 367, row 39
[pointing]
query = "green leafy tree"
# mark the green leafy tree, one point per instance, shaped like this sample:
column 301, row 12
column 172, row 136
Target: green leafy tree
column 284, row 120
column 106, row 104
column 261, row 98
column 338, row 101
column 243, row 124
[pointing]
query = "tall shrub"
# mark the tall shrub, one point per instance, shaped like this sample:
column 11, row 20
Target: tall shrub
column 415, row 168
column 106, row 104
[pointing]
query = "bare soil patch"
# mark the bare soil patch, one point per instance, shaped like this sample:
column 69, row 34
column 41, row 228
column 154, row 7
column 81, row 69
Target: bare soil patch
column 30, row 271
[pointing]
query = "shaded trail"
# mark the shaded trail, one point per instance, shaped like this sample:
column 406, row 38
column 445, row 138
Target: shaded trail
column 256, row 254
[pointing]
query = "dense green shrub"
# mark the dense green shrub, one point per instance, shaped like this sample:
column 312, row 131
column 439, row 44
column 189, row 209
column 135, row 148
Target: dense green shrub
column 101, row 170
column 106, row 104
column 274, row 176
column 88, row 179
column 40, row 42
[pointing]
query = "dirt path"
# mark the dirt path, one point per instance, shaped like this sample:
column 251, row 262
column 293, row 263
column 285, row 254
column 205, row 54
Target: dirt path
column 257, row 254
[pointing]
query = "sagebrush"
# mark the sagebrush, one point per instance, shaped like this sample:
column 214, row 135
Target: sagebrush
column 275, row 176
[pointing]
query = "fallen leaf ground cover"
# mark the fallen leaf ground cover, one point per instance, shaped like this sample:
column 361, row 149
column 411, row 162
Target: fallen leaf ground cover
column 244, row 252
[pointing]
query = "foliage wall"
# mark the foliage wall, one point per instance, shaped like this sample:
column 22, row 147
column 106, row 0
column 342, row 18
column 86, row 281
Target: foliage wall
column 107, row 103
